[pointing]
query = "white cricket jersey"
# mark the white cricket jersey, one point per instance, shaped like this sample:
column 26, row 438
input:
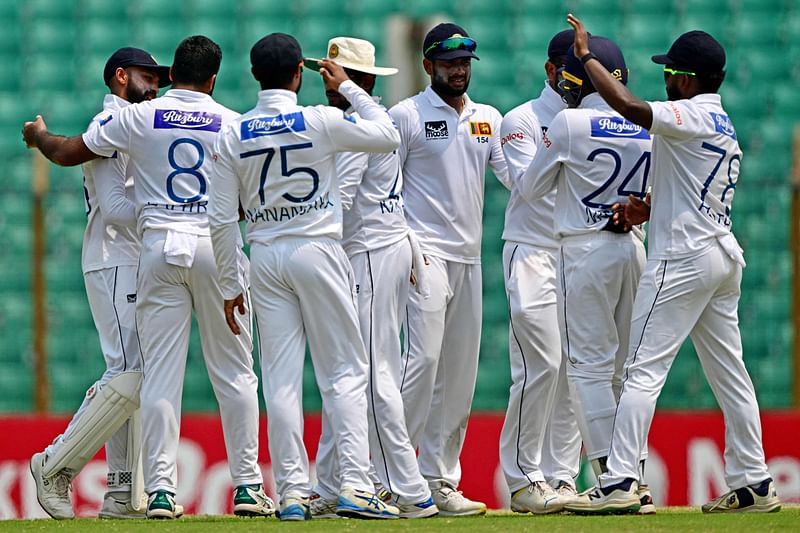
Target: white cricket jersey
column 370, row 187
column 520, row 136
column 595, row 158
column 170, row 140
column 696, row 159
column 444, row 158
column 279, row 159
column 110, row 239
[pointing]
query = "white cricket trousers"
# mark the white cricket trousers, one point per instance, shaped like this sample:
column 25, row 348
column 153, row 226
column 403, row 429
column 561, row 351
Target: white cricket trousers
column 303, row 289
column 167, row 295
column 695, row 296
column 539, row 440
column 443, row 335
column 382, row 291
column 599, row 273
column 112, row 300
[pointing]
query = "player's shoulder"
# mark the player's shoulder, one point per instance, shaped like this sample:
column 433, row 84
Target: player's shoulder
column 521, row 115
column 410, row 105
column 486, row 110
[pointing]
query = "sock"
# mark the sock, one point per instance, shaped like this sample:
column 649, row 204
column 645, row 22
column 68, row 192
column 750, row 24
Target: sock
column 622, row 485
column 762, row 489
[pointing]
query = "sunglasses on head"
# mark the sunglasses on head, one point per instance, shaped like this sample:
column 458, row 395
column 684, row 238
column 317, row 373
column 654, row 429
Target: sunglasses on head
column 453, row 43
column 675, row 72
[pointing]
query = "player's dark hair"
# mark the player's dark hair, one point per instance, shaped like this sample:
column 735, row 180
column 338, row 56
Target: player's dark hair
column 710, row 82
column 197, row 58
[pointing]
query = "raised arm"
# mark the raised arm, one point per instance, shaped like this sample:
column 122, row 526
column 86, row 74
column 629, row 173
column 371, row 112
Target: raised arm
column 63, row 151
column 374, row 131
column 615, row 93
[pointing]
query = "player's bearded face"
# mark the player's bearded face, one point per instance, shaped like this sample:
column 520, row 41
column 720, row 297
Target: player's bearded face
column 673, row 93
column 335, row 99
column 671, row 82
column 142, row 85
column 451, row 78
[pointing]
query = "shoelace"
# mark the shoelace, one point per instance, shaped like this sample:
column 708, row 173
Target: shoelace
column 449, row 493
column 62, row 484
column 372, row 501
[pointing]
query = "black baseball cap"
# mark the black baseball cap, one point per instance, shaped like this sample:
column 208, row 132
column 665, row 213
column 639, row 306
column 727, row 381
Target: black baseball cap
column 135, row 57
column 560, row 43
column 695, row 50
column 275, row 52
column 448, row 41
column 607, row 52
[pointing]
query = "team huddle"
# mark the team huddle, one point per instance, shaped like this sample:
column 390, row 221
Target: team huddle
column 364, row 228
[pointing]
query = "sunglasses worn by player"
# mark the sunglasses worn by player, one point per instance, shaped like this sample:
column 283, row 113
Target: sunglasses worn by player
column 453, row 43
column 674, row 72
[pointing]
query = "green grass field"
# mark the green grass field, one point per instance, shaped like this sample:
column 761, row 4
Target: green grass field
column 673, row 519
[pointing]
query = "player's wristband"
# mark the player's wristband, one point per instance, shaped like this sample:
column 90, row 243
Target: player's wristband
column 587, row 57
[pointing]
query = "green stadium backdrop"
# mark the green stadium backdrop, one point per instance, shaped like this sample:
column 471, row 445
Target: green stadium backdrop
column 51, row 58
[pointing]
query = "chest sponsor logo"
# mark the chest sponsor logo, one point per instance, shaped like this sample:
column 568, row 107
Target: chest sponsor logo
column 186, row 120
column 723, row 125
column 617, row 127
column 436, row 129
column 480, row 128
column 275, row 125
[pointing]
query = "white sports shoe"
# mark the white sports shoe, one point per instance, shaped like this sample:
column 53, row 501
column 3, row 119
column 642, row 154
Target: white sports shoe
column 645, row 500
column 251, row 500
column 759, row 498
column 161, row 505
column 363, row 504
column 294, row 507
column 119, row 509
column 323, row 508
column 423, row 509
column 452, row 502
column 52, row 492
column 536, row 498
column 616, row 499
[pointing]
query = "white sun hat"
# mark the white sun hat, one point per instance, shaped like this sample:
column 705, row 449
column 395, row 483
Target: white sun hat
column 352, row 53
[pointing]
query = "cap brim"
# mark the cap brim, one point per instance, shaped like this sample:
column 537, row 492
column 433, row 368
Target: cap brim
column 161, row 70
column 312, row 63
column 454, row 54
column 662, row 59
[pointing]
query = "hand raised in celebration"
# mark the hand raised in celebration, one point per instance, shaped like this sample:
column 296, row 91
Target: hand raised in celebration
column 581, row 36
column 31, row 131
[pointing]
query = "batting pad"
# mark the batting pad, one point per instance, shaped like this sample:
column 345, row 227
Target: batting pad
column 110, row 407
column 138, row 496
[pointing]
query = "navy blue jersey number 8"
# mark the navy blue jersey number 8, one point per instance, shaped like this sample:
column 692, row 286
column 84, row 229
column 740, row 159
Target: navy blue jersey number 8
column 621, row 190
column 192, row 171
column 285, row 171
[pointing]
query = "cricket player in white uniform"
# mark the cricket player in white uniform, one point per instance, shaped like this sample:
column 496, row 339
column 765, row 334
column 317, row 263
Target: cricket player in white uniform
column 375, row 238
column 691, row 284
column 540, row 445
column 447, row 143
column 279, row 160
column 169, row 141
column 595, row 158
column 109, row 257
